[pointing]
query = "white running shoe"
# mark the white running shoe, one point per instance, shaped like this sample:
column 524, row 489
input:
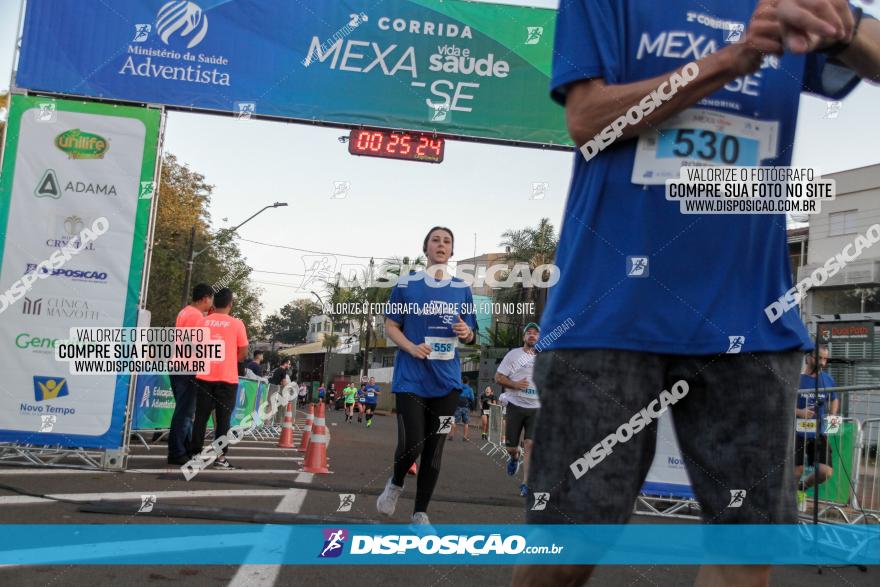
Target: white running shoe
column 420, row 519
column 387, row 502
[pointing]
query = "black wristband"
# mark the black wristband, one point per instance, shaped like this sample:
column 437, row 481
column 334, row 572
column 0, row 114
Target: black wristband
column 841, row 46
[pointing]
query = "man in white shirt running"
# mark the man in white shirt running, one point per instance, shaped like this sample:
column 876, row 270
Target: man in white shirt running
column 515, row 376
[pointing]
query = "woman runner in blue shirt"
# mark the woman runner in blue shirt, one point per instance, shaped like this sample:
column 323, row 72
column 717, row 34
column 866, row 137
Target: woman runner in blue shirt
column 429, row 313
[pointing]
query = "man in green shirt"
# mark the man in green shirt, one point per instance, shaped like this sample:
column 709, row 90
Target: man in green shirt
column 349, row 394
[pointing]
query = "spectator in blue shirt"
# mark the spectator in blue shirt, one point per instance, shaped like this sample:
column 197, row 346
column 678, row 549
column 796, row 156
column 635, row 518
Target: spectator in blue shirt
column 466, row 402
column 807, row 405
column 256, row 364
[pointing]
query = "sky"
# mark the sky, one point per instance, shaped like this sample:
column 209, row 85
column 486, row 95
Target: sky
column 479, row 190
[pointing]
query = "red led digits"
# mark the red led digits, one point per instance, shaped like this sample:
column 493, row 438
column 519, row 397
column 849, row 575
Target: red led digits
column 396, row 145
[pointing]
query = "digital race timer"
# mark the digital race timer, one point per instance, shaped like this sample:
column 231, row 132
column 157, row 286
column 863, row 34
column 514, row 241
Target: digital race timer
column 396, row 145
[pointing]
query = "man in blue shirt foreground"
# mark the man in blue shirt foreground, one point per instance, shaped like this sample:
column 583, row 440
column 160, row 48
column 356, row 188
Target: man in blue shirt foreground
column 661, row 300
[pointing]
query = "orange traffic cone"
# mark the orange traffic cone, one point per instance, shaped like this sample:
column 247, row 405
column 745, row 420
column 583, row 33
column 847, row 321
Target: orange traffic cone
column 286, row 439
column 413, row 470
column 307, row 433
column 316, row 455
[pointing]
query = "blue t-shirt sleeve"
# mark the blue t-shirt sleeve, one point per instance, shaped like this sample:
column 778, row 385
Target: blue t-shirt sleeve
column 394, row 302
column 587, row 44
column 828, row 79
column 831, row 383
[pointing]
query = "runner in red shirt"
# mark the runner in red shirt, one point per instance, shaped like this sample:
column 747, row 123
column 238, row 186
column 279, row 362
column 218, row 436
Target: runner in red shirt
column 216, row 390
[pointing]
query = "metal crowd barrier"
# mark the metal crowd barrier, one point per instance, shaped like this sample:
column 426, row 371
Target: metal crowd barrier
column 494, row 445
column 866, row 499
column 271, row 427
column 851, row 495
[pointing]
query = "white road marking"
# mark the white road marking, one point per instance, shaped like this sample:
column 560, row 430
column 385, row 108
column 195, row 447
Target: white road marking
column 235, row 457
column 23, row 471
column 267, row 575
column 237, row 448
column 136, row 495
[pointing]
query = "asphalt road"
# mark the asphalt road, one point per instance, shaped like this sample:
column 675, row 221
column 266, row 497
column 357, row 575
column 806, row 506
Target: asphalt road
column 268, row 486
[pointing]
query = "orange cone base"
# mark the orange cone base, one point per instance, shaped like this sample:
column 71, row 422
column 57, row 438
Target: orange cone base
column 286, row 438
column 322, row 470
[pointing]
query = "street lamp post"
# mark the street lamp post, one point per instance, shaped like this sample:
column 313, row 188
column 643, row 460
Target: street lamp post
column 366, row 359
column 327, row 352
column 192, row 255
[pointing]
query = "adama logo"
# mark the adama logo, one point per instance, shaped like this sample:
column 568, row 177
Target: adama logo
column 334, row 543
column 82, row 145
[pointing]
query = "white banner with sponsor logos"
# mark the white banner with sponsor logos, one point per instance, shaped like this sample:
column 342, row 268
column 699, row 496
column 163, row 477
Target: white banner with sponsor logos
column 667, row 476
column 75, row 196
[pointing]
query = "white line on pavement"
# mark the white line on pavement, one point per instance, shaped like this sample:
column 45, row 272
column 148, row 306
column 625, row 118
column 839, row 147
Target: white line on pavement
column 267, row 575
column 136, row 495
column 235, row 457
column 238, row 447
column 23, row 471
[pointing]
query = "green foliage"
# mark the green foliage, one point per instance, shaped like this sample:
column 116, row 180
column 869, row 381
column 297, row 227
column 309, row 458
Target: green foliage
column 330, row 342
column 534, row 246
column 290, row 324
column 505, row 335
column 183, row 200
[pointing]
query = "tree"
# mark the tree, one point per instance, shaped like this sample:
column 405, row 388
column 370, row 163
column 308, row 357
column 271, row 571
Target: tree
column 183, row 199
column 4, row 111
column 534, row 246
column 505, row 334
column 330, row 342
column 290, row 324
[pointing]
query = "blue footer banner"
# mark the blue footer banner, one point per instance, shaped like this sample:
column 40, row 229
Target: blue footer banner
column 655, row 544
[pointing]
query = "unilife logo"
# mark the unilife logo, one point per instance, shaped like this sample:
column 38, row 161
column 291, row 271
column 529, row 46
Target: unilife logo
column 82, row 145
column 334, row 542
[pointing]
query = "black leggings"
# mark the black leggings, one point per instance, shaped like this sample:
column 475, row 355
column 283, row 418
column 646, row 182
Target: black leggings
column 418, row 420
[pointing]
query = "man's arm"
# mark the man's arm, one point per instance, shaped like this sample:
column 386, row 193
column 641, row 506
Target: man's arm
column 393, row 331
column 241, row 339
column 811, row 25
column 592, row 105
column 509, row 383
column 863, row 54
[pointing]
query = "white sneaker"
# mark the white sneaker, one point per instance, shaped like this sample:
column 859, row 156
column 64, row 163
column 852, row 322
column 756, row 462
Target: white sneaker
column 387, row 502
column 420, row 518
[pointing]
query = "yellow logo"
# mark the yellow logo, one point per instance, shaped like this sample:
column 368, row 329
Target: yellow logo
column 49, row 387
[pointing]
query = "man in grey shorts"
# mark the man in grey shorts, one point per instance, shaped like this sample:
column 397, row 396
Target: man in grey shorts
column 650, row 297
column 515, row 375
column 733, row 426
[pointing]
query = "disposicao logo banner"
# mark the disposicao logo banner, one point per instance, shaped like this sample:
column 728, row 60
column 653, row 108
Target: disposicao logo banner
column 369, row 544
column 453, row 67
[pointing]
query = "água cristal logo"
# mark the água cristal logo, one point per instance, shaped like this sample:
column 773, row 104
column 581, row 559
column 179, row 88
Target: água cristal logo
column 334, row 542
column 82, row 145
column 184, row 19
